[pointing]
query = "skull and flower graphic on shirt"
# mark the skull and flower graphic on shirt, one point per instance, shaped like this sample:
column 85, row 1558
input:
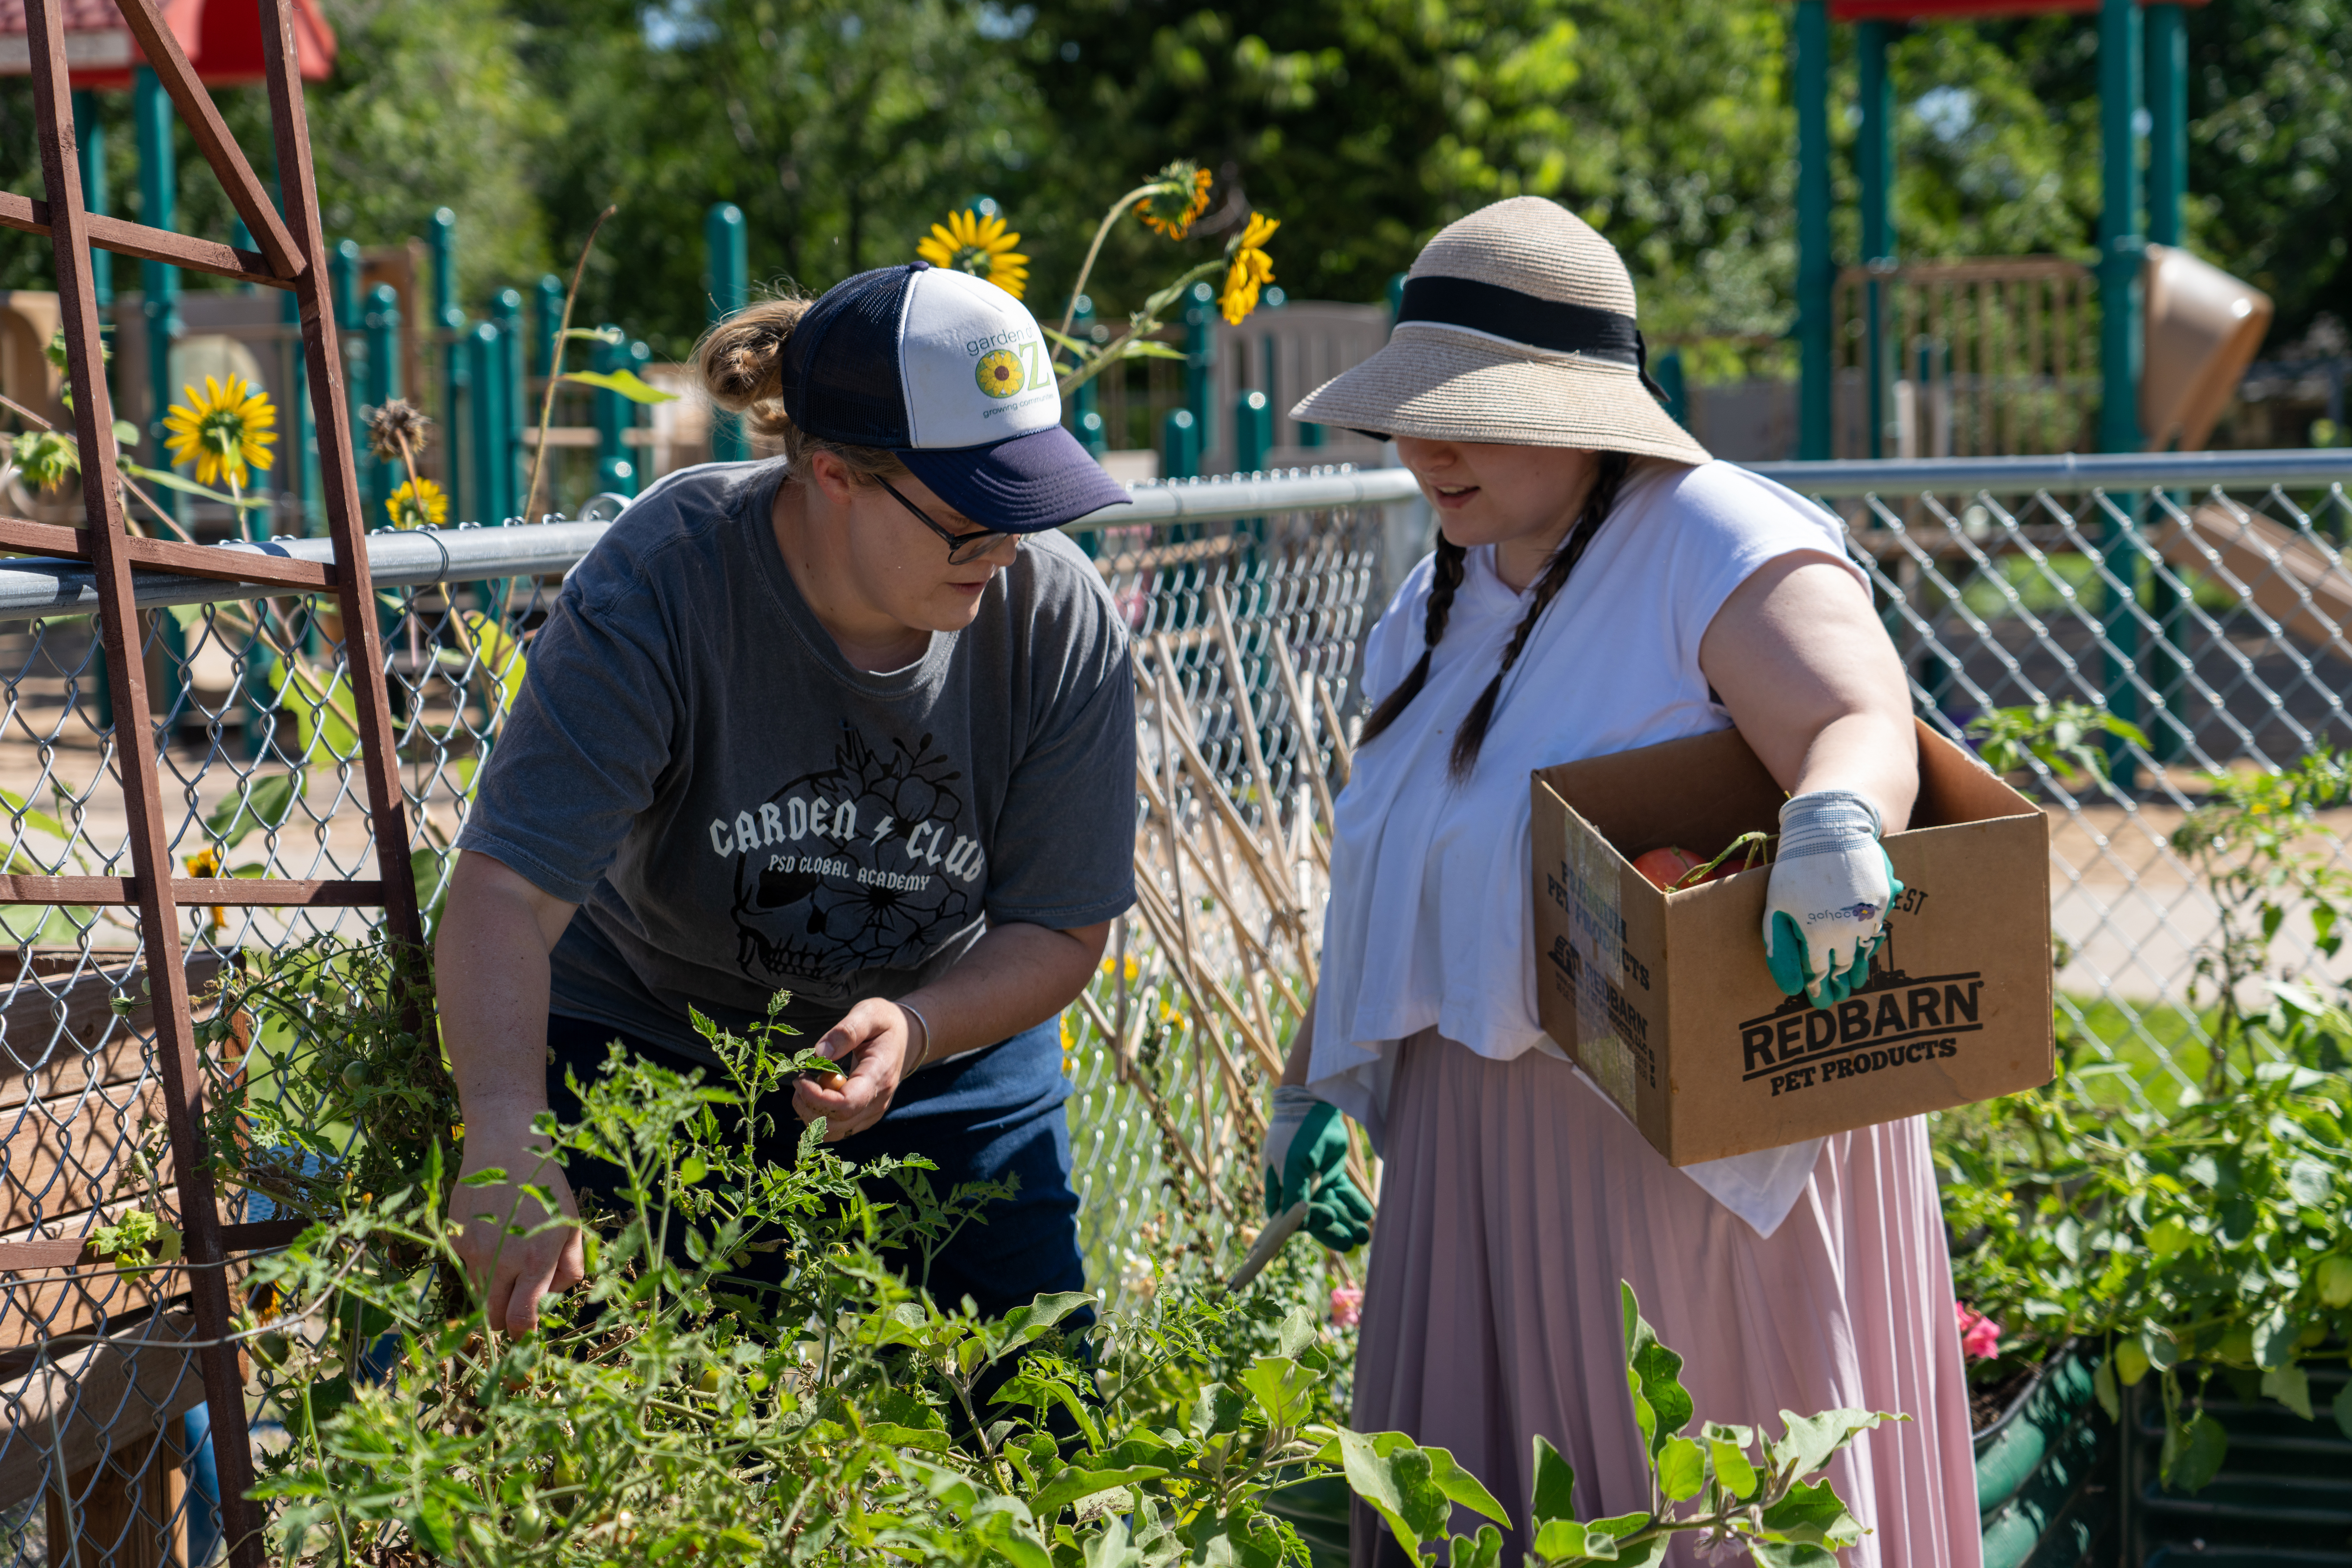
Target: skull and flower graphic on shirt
column 869, row 863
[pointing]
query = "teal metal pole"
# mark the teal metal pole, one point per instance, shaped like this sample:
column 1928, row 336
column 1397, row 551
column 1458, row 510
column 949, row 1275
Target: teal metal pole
column 1874, row 163
column 1816, row 267
column 343, row 282
column 548, row 316
column 1253, row 432
column 728, row 279
column 449, row 327
column 2121, row 251
column 515, row 408
column 153, row 118
column 1086, row 417
column 1181, row 436
column 381, row 324
column 614, row 470
column 2167, row 190
column 90, row 138
column 89, row 135
column 486, row 426
column 1200, row 363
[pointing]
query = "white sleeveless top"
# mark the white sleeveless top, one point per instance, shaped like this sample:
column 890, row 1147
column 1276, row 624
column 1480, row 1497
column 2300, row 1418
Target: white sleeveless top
column 1430, row 921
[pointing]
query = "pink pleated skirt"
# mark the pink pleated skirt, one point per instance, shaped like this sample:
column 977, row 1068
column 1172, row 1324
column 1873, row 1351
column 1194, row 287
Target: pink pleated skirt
column 1513, row 1201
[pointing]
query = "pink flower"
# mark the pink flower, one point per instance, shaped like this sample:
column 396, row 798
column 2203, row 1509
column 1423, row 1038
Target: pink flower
column 1980, row 1335
column 1347, row 1306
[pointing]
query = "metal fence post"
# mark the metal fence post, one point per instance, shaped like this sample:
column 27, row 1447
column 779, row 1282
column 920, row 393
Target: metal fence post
column 1253, row 432
column 486, row 353
column 1200, row 366
column 514, row 403
column 548, row 316
column 449, row 326
column 728, row 280
column 1873, row 156
column 153, row 117
column 1666, row 370
column 1086, row 418
column 90, row 134
column 2168, row 184
column 615, row 416
column 1816, row 267
column 1180, row 434
column 2121, row 249
column 383, row 326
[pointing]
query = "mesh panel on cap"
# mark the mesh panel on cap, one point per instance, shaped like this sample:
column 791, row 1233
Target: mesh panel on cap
column 841, row 365
column 1535, row 245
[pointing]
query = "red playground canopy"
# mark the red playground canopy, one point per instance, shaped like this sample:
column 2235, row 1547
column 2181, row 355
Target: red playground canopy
column 223, row 38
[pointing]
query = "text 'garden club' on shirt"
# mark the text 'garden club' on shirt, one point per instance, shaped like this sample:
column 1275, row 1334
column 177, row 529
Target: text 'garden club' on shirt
column 739, row 811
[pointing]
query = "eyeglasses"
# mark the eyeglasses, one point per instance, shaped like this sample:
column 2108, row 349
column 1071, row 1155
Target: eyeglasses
column 961, row 547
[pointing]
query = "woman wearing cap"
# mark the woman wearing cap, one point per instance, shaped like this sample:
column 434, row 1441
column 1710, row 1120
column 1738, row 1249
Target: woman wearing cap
column 1600, row 584
column 853, row 723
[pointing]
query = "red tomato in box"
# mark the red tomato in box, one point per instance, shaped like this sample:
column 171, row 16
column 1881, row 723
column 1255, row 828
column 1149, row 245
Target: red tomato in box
column 1667, row 867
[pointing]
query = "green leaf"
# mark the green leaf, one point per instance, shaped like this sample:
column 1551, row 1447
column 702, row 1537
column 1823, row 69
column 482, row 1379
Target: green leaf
column 1070, row 1485
column 1484, row 1551
column 1682, row 1469
column 692, row 1169
column 263, row 805
column 501, row 656
column 429, row 1521
column 1282, row 1389
column 1145, row 348
column 1729, row 1448
column 2274, row 1339
column 2343, row 1408
column 1216, row 1410
column 610, row 335
column 626, row 382
column 1555, row 1485
column 1791, row 1554
column 2291, row 1387
column 47, row 821
column 1661, row 1404
column 2193, row 1454
column 425, row 872
column 1811, row 1439
column 1461, row 1487
column 1387, row 1471
column 324, row 710
column 2103, row 1384
column 1812, row 1512
column 1564, row 1538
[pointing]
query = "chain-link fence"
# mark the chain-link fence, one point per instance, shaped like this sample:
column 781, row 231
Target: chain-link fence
column 2213, row 618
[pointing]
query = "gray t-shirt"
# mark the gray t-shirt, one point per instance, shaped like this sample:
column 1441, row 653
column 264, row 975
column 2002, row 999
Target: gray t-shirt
column 738, row 810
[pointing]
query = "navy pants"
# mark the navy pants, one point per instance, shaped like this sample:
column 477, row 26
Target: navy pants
column 995, row 1114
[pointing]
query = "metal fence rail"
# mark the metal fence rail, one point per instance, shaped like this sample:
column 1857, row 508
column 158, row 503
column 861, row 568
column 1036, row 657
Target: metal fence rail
column 2204, row 596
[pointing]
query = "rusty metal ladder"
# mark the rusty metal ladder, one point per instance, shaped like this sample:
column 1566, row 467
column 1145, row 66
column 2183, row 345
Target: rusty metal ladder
column 292, row 257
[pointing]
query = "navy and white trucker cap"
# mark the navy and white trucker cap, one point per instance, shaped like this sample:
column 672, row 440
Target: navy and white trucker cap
column 951, row 373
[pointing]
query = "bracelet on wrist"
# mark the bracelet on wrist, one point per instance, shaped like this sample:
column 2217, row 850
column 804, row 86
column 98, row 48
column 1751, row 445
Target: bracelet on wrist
column 910, row 1010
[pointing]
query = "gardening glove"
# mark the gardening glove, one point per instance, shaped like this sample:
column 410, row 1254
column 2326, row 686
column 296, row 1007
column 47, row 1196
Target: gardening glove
column 1825, row 908
column 1306, row 1157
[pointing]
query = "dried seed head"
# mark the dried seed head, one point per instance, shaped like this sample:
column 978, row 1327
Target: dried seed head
column 398, row 422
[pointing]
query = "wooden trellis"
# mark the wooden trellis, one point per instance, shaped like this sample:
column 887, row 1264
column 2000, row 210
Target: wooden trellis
column 292, row 257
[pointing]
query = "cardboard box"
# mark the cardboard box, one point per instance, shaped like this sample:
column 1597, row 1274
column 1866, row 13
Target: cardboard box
column 1682, row 1024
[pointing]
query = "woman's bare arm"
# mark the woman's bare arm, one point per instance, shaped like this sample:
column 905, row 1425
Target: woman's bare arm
column 1798, row 656
column 491, row 963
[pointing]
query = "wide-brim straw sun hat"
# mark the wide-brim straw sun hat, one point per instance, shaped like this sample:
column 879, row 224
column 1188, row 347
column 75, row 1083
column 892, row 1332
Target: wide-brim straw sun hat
column 1518, row 327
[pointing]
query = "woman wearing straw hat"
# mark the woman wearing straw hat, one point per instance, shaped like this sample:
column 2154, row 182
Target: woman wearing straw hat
column 1600, row 585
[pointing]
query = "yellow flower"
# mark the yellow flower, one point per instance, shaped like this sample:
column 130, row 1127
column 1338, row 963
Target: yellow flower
column 225, row 432
column 207, row 862
column 1180, row 195
column 1252, row 268
column 418, row 503
column 970, row 243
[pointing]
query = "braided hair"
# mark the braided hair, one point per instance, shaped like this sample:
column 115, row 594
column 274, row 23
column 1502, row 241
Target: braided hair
column 1609, row 477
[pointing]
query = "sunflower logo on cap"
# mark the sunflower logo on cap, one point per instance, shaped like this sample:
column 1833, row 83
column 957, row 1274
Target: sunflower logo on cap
column 1000, row 374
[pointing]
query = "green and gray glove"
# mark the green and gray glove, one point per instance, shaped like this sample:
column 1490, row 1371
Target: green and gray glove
column 1306, row 1157
column 1825, row 907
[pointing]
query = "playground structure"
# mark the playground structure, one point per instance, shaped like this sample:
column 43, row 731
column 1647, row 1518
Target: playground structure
column 1977, row 357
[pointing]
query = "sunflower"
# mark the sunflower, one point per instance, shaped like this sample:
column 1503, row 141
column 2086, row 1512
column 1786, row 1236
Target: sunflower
column 1179, row 195
column 418, row 503
column 970, row 243
column 225, row 432
column 207, row 862
column 1252, row 268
